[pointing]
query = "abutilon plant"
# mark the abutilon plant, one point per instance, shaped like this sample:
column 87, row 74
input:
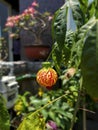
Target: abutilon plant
column 77, row 51
column 47, row 77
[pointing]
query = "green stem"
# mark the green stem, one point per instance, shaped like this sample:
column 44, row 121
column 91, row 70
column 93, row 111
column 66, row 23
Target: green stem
column 57, row 69
column 51, row 52
column 84, row 117
column 84, row 112
column 75, row 112
column 76, row 107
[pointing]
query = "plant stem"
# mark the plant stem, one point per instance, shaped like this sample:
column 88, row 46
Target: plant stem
column 84, row 118
column 84, row 112
column 76, row 106
column 75, row 112
column 51, row 53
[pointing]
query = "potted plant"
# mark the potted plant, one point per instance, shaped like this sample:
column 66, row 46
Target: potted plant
column 34, row 22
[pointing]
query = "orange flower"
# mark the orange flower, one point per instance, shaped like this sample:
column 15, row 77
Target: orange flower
column 47, row 77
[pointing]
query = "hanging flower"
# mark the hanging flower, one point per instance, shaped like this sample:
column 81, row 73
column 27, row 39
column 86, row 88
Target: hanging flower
column 47, row 77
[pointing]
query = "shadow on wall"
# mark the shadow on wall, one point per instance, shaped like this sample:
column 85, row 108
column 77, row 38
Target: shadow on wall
column 44, row 5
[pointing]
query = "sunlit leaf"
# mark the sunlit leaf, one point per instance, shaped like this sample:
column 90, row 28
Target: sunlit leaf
column 32, row 122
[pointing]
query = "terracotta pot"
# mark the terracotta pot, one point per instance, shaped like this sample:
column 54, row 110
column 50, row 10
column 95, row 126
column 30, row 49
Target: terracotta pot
column 36, row 52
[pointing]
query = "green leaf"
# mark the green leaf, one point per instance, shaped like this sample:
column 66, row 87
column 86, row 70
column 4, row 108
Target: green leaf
column 45, row 100
column 44, row 113
column 77, row 13
column 91, row 9
column 4, row 115
column 59, row 25
column 85, row 28
column 57, row 57
column 69, row 115
column 35, row 102
column 64, row 113
column 58, row 121
column 83, row 2
column 32, row 122
column 66, row 50
column 89, row 61
column 76, row 50
column 64, row 106
column 52, row 115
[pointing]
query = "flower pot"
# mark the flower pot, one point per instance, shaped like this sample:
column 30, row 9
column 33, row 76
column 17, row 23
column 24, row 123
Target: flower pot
column 36, row 52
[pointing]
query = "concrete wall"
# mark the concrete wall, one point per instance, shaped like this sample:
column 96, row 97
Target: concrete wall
column 44, row 5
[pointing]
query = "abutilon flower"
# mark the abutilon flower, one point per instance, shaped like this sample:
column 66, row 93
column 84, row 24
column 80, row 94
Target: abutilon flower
column 47, row 77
